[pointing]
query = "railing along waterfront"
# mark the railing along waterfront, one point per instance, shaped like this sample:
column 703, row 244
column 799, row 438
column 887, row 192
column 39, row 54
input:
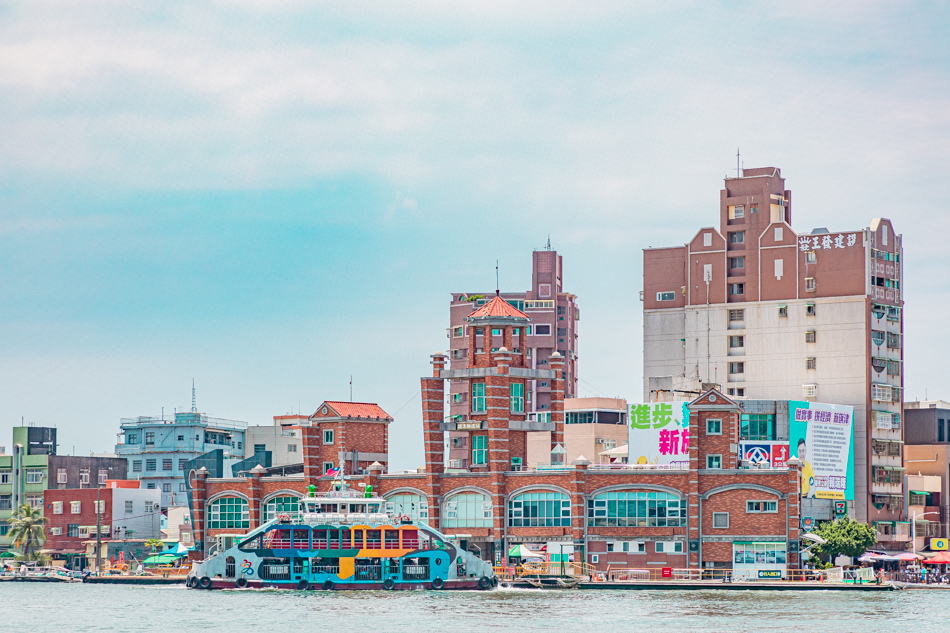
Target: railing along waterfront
column 616, row 574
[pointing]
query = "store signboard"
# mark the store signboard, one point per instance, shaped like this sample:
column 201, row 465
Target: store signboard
column 822, row 436
column 659, row 434
column 775, row 454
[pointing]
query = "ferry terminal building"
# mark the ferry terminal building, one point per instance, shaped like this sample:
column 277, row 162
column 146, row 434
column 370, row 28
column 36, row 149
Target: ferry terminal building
column 698, row 517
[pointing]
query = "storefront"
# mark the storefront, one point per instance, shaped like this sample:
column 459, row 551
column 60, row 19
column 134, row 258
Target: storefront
column 759, row 560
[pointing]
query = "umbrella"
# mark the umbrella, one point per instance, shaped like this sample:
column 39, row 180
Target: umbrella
column 520, row 551
column 871, row 558
column 907, row 556
column 162, row 559
column 940, row 559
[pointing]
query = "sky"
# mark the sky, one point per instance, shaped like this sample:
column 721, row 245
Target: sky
column 269, row 197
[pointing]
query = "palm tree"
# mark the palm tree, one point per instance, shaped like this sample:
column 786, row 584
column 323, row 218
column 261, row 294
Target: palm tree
column 154, row 544
column 27, row 529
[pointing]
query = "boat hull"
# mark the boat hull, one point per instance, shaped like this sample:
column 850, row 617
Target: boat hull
column 468, row 584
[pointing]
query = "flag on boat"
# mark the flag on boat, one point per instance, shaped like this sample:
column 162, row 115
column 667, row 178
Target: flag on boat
column 332, row 472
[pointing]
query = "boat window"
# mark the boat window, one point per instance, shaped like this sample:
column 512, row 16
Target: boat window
column 391, row 538
column 357, row 539
column 374, row 507
column 359, row 508
column 251, row 544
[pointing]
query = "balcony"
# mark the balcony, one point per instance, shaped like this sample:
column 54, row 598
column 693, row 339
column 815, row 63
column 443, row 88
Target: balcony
column 883, row 488
column 892, row 531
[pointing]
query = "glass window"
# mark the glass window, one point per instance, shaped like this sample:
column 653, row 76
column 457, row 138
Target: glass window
column 228, row 512
column 713, row 427
column 328, row 437
column 737, row 237
column 479, row 404
column 288, row 505
column 757, row 426
column 150, row 464
column 539, row 509
column 416, row 507
column 166, row 464
column 713, row 461
column 61, row 476
column 136, row 465
column 761, row 506
column 517, row 397
column 468, row 510
column 636, row 509
column 479, row 450
column 36, row 476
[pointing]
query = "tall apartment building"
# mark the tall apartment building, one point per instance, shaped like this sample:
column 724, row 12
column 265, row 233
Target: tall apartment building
column 554, row 318
column 24, row 475
column 157, row 449
column 769, row 313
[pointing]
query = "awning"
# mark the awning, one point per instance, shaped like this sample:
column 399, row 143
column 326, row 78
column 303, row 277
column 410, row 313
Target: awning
column 940, row 559
column 520, row 551
column 620, row 451
column 919, row 492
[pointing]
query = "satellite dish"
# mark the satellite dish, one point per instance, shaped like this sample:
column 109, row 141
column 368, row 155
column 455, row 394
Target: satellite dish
column 808, row 536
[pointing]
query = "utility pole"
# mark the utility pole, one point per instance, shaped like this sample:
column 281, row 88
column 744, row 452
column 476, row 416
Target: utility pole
column 98, row 531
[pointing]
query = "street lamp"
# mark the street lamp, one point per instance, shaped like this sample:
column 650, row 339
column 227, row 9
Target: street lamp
column 913, row 527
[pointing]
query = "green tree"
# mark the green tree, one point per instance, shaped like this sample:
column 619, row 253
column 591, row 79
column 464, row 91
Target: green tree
column 27, row 530
column 155, row 544
column 844, row 536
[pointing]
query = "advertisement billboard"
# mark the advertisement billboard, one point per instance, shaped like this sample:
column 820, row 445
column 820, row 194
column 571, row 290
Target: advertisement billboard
column 822, row 436
column 775, row 454
column 659, row 434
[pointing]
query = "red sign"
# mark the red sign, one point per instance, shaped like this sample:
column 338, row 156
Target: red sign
column 667, row 572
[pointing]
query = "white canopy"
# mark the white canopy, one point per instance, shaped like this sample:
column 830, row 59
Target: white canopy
column 620, row 451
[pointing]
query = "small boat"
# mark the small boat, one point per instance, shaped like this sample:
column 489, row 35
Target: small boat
column 343, row 539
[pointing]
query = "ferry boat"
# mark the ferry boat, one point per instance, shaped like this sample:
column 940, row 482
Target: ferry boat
column 344, row 539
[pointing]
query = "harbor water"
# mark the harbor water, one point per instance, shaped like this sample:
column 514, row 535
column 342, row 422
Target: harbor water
column 78, row 607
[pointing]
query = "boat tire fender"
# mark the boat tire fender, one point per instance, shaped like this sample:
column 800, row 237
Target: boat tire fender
column 328, row 585
column 438, row 583
column 303, row 585
column 241, row 583
column 193, row 582
column 389, row 583
column 484, row 582
column 494, row 581
column 205, row 582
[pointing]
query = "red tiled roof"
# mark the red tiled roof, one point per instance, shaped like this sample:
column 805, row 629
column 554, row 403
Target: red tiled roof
column 498, row 307
column 356, row 410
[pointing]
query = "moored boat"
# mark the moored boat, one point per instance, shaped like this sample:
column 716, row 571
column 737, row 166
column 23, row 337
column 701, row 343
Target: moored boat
column 343, row 539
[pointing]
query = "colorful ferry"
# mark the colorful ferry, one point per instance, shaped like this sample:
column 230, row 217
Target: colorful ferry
column 344, row 539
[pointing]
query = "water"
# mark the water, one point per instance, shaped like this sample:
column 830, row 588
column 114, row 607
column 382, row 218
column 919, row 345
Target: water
column 77, row 607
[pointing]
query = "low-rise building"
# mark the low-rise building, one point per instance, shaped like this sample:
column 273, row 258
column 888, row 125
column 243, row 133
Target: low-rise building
column 927, row 453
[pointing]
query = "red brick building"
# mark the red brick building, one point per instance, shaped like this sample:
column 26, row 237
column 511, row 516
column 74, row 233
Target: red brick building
column 627, row 516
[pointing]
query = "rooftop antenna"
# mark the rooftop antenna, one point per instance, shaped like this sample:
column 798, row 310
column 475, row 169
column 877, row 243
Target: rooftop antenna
column 548, row 247
column 194, row 406
column 351, row 387
column 497, row 284
column 738, row 166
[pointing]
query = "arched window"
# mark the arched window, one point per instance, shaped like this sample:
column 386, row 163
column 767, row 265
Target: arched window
column 539, row 509
column 636, row 509
column 469, row 509
column 228, row 512
column 416, row 506
column 288, row 505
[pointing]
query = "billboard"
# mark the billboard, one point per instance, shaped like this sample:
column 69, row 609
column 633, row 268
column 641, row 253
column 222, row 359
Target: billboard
column 822, row 436
column 775, row 454
column 659, row 434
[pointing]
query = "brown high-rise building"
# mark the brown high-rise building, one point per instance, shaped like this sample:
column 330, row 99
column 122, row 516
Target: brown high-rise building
column 552, row 328
column 770, row 313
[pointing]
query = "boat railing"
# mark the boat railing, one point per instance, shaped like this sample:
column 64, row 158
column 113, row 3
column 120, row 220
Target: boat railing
column 325, row 569
column 415, row 572
column 368, row 572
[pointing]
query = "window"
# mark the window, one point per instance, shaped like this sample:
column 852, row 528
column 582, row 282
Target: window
column 737, row 237
column 761, row 506
column 736, row 212
column 150, row 464
column 457, row 332
column 713, row 427
column 277, row 506
column 779, row 234
column 149, row 438
column 736, row 289
column 4, row 476
column 136, row 465
column 720, row 520
column 99, row 507
column 291, row 448
column 181, row 464
column 61, row 476
column 713, row 461
column 57, row 507
column 150, row 486
column 782, row 312
column 166, row 487
column 809, row 309
column 129, row 507
column 736, row 368
column 594, row 558
column 542, row 330
column 479, row 403
column 736, row 315
column 539, row 509
column 103, row 476
column 893, row 368
column 182, row 488
column 35, row 501
column 666, row 296
column 328, row 437
column 166, row 464
column 36, row 476
column 810, row 257
column 893, row 340
column 809, row 284
column 736, row 263
column 809, row 391
column 707, row 239
column 6, row 502
column 479, row 450
column 517, row 397
column 72, row 530
column 636, row 509
column 811, row 363
column 416, row 507
column 468, row 510
column 669, row 547
column 810, row 336
column 228, row 512
column 56, row 531
column 757, row 426
column 327, row 466
column 736, row 341
column 131, row 438
column 75, row 507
